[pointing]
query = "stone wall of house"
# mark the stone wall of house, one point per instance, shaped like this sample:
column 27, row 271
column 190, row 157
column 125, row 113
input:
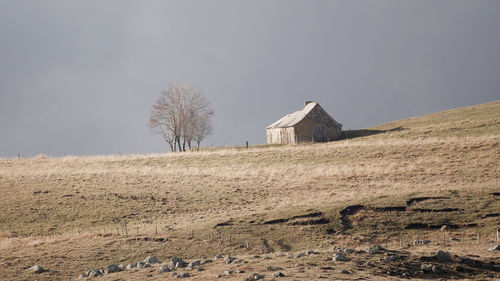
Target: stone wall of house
column 318, row 117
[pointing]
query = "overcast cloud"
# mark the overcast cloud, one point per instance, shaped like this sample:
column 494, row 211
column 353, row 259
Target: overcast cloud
column 79, row 77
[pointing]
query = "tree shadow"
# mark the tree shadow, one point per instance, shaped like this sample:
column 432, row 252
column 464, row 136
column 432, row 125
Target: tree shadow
column 351, row 134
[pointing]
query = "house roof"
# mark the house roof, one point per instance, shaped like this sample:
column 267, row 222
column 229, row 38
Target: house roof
column 293, row 118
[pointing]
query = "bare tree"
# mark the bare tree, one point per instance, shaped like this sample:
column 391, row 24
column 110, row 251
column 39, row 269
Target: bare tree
column 177, row 115
column 203, row 129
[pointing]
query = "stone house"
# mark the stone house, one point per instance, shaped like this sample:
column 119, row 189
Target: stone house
column 311, row 124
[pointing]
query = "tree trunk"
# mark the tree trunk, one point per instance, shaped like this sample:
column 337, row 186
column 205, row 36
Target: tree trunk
column 197, row 145
column 179, row 143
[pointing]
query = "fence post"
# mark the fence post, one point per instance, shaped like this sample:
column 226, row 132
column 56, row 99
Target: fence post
column 126, row 232
column 156, row 229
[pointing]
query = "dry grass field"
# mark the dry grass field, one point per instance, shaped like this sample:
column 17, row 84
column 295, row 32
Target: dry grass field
column 401, row 180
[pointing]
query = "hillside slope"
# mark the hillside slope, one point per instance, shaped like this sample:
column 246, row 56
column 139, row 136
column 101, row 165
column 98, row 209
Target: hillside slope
column 406, row 179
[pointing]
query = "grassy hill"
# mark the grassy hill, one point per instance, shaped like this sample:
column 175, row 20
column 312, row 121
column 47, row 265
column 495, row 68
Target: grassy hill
column 406, row 178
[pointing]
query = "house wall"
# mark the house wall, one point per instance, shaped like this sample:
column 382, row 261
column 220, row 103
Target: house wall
column 318, row 117
column 280, row 135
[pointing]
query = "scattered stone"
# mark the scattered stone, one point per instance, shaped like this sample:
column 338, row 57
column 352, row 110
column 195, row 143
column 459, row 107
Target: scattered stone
column 312, row 252
column 194, row 264
column 255, row 257
column 343, row 271
column 36, row 269
column 200, row 269
column 255, row 276
column 83, row 275
column 390, row 258
column 300, row 255
column 228, row 259
column 349, row 251
column 239, row 271
column 271, row 268
column 227, row 272
column 205, row 261
column 218, row 256
column 375, row 249
column 5, row 263
column 328, row 259
column 278, row 274
column 177, row 262
column 94, row 273
column 339, row 257
column 494, row 248
column 436, row 269
column 130, row 266
column 453, row 239
column 112, row 269
column 151, row 260
column 442, row 256
column 421, row 242
column 182, row 275
column 163, row 269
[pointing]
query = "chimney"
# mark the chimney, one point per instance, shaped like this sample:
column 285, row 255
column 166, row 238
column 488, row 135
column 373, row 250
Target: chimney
column 307, row 102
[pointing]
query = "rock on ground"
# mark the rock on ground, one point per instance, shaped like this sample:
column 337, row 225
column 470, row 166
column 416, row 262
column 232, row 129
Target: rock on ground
column 375, row 249
column 494, row 248
column 112, row 268
column 339, row 257
column 228, row 259
column 181, row 274
column 177, row 262
column 205, row 261
column 255, row 276
column 442, row 256
column 130, row 266
column 151, row 260
column 194, row 263
column 278, row 274
column 36, row 269
column 163, row 269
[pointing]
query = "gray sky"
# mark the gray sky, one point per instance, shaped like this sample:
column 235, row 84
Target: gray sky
column 80, row 76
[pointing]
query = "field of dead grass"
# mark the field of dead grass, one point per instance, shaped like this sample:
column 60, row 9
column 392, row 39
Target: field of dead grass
column 453, row 154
